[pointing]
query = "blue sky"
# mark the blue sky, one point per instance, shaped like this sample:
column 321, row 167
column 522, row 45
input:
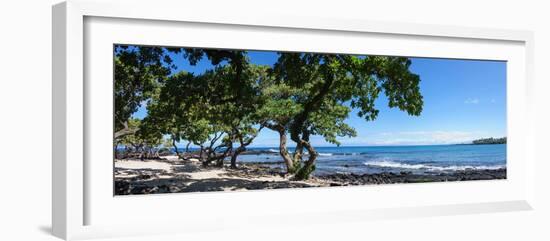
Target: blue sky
column 463, row 100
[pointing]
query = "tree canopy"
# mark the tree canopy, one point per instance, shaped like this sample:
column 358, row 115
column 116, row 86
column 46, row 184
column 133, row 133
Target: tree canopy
column 316, row 93
column 223, row 109
column 139, row 71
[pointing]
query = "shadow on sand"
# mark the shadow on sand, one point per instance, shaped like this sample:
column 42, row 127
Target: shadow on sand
column 178, row 185
column 226, row 184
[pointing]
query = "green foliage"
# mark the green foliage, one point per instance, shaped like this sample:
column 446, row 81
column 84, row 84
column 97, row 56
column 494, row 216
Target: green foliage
column 178, row 110
column 132, row 140
column 211, row 110
column 138, row 72
column 303, row 94
column 144, row 141
column 329, row 122
column 315, row 89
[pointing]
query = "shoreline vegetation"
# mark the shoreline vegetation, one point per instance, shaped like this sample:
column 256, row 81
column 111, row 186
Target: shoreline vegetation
column 170, row 174
column 489, row 141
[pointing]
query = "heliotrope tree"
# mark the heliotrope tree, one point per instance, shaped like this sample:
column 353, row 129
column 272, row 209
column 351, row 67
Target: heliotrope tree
column 213, row 110
column 312, row 94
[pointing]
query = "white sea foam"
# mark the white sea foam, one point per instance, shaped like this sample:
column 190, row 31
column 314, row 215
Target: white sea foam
column 325, row 154
column 273, row 150
column 391, row 164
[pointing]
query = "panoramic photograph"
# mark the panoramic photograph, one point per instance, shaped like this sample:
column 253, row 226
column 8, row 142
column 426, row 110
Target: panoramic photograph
column 192, row 119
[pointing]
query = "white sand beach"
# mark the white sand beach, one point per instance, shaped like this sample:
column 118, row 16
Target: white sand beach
column 138, row 164
column 189, row 175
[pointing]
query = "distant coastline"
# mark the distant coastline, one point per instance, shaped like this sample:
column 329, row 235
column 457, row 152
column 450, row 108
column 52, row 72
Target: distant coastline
column 487, row 141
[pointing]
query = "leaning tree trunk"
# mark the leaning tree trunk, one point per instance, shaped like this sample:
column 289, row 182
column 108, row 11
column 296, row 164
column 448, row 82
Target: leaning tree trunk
column 236, row 153
column 298, row 154
column 290, row 168
column 175, row 148
column 309, row 166
column 187, row 147
column 218, row 159
column 228, row 149
column 201, row 156
column 125, row 131
column 283, row 151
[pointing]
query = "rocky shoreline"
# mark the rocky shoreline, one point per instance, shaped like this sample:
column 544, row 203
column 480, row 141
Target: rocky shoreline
column 408, row 177
column 176, row 176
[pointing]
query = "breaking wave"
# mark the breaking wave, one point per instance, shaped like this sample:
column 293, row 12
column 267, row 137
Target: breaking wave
column 391, row 164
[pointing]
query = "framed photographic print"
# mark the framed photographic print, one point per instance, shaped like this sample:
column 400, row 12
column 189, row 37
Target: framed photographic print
column 223, row 120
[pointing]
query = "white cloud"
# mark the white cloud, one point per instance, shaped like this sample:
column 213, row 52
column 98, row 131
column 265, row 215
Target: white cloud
column 416, row 138
column 473, row 101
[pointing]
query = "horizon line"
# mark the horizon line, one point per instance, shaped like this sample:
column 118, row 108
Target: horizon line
column 381, row 145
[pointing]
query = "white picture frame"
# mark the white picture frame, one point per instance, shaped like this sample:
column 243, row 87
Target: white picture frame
column 82, row 208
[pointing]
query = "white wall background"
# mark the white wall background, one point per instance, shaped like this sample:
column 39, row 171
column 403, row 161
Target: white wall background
column 25, row 119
